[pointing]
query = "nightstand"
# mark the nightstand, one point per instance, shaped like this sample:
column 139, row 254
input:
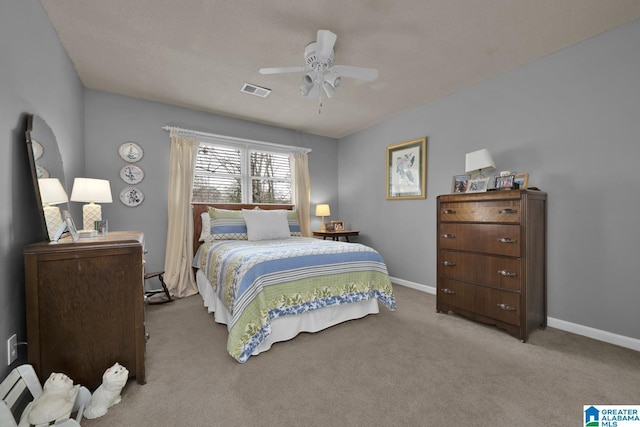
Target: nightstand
column 335, row 235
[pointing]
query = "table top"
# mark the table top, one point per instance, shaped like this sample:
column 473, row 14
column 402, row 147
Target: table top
column 336, row 233
column 66, row 243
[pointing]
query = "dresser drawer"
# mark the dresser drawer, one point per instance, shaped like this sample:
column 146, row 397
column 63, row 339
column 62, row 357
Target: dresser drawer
column 500, row 305
column 501, row 211
column 498, row 239
column 499, row 272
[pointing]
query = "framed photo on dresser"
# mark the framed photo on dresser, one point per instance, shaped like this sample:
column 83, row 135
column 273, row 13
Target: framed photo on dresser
column 478, row 185
column 504, row 182
column 522, row 179
column 459, row 183
column 71, row 226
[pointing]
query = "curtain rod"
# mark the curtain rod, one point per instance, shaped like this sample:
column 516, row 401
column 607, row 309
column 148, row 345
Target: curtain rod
column 212, row 137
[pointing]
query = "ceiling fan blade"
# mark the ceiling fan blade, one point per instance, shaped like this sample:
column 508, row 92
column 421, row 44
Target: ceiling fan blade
column 325, row 41
column 368, row 74
column 279, row 70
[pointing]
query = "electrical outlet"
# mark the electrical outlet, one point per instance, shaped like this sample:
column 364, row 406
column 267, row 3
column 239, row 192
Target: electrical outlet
column 12, row 349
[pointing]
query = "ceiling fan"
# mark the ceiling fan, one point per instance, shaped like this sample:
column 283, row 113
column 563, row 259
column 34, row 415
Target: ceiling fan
column 320, row 73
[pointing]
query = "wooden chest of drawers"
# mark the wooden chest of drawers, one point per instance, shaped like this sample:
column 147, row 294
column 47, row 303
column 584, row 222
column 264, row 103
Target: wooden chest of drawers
column 492, row 258
column 85, row 308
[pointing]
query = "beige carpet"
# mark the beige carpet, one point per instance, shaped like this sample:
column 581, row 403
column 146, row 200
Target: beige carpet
column 412, row 367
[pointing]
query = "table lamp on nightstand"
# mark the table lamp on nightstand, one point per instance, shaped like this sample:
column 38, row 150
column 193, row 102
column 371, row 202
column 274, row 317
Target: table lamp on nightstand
column 92, row 191
column 322, row 211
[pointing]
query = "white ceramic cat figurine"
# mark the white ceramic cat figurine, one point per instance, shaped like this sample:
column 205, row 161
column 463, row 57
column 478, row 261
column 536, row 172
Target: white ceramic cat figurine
column 55, row 402
column 108, row 394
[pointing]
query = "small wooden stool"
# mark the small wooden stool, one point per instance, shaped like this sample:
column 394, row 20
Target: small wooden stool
column 149, row 294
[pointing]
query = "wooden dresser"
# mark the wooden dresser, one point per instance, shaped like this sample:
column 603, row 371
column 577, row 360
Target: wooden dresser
column 85, row 308
column 492, row 258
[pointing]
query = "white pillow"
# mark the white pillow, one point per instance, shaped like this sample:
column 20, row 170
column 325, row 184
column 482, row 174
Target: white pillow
column 206, row 226
column 266, row 225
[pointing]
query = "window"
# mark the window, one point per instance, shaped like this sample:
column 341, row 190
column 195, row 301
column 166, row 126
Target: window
column 233, row 174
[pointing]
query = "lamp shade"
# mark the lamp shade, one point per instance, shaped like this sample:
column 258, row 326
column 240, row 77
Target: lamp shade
column 323, row 210
column 479, row 161
column 93, row 191
column 52, row 192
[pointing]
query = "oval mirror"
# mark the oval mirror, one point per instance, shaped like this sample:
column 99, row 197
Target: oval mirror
column 47, row 174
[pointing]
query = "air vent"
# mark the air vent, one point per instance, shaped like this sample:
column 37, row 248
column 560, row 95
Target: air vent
column 255, row 90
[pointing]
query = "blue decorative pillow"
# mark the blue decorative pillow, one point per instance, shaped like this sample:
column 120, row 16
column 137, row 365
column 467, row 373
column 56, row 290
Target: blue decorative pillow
column 227, row 224
column 294, row 225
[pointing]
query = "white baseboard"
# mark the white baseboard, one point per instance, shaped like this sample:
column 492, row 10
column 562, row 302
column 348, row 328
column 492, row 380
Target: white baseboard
column 596, row 334
column 420, row 287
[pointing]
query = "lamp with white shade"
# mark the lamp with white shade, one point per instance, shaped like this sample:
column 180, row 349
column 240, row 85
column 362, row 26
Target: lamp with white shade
column 322, row 211
column 92, row 191
column 479, row 161
column 52, row 193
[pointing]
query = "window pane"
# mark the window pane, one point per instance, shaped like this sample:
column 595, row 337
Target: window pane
column 216, row 189
column 270, row 191
column 270, row 165
column 218, row 159
column 218, row 175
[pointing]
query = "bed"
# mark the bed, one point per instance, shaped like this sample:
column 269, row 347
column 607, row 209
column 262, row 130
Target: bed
column 267, row 287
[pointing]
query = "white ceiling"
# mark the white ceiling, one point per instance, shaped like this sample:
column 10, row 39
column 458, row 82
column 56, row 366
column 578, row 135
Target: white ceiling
column 198, row 53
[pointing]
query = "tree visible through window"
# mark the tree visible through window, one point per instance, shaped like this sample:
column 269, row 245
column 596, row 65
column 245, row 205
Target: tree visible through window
column 227, row 174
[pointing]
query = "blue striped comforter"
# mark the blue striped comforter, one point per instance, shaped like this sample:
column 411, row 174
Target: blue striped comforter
column 260, row 281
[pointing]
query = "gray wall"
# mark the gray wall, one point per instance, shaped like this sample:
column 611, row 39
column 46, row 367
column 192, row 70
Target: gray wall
column 112, row 119
column 572, row 121
column 36, row 77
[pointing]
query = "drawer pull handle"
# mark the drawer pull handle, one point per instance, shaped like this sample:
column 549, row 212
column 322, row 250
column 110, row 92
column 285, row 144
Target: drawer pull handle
column 508, row 211
column 449, row 264
column 448, row 291
column 449, row 211
column 448, row 236
column 506, row 273
column 506, row 240
column 506, row 307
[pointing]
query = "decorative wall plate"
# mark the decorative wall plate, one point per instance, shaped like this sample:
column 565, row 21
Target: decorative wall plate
column 37, row 149
column 131, row 196
column 131, row 174
column 130, row 152
column 41, row 172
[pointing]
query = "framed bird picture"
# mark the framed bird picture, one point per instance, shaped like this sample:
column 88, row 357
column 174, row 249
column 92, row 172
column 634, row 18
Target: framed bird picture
column 407, row 170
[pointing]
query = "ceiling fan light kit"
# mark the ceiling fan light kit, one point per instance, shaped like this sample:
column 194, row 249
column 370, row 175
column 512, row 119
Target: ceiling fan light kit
column 333, row 79
column 329, row 89
column 320, row 70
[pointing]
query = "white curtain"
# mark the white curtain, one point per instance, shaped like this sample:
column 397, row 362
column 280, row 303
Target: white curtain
column 302, row 190
column 179, row 254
